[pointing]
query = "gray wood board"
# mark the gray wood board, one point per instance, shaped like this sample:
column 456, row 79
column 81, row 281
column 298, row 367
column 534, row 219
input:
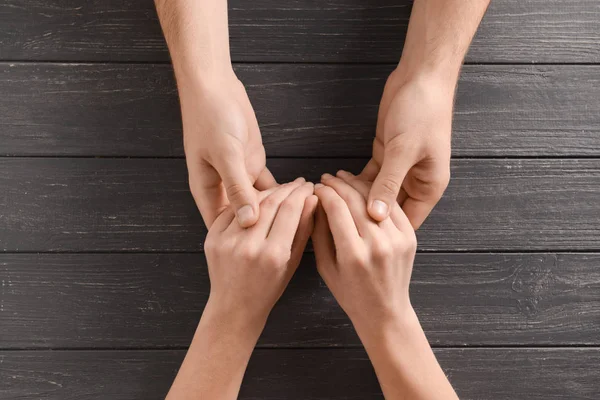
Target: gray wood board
column 155, row 300
column 303, row 110
column 87, row 204
column 302, row 30
column 490, row 374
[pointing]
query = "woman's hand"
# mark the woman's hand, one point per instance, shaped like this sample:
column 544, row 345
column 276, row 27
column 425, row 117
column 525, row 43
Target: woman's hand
column 366, row 264
column 249, row 270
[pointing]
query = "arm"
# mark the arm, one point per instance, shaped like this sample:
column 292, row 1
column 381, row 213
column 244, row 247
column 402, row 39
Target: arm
column 367, row 266
column 223, row 146
column 249, row 270
column 411, row 151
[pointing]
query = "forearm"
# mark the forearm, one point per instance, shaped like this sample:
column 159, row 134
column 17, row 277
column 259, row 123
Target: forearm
column 404, row 362
column 438, row 37
column 197, row 35
column 215, row 363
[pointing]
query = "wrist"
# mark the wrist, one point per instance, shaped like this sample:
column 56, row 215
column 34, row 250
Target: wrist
column 397, row 328
column 430, row 79
column 234, row 322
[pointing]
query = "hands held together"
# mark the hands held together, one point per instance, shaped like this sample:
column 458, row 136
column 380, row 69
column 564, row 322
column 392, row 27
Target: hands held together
column 366, row 264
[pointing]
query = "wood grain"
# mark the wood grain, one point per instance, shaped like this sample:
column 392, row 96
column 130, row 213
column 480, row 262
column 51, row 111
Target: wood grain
column 303, row 30
column 82, row 204
column 490, row 374
column 303, row 110
column 155, row 300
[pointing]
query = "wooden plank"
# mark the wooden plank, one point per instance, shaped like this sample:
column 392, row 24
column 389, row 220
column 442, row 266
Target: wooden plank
column 305, row 30
column 304, row 110
column 491, row 374
column 74, row 204
column 155, row 300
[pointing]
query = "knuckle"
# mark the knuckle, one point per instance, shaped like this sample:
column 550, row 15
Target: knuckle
column 287, row 206
column 276, row 257
column 382, row 250
column 270, row 202
column 235, row 192
column 211, row 245
column 247, row 253
column 407, row 244
column 389, row 185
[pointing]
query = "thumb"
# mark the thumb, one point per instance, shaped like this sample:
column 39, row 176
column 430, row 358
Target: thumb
column 239, row 188
column 387, row 184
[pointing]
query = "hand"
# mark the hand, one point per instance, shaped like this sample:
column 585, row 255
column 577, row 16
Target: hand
column 411, row 151
column 250, row 268
column 366, row 264
column 223, row 146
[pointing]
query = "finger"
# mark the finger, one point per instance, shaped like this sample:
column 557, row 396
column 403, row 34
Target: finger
column 385, row 189
column 402, row 196
column 397, row 216
column 356, row 204
column 238, row 186
column 265, row 180
column 344, row 231
column 322, row 240
column 234, row 227
column 370, row 171
column 305, row 229
column 224, row 220
column 286, row 222
column 270, row 206
column 207, row 190
column 417, row 211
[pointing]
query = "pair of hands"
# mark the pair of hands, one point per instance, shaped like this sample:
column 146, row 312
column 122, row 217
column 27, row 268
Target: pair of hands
column 226, row 158
column 366, row 264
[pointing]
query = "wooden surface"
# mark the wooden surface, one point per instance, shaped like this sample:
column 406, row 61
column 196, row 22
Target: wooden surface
column 304, row 110
column 523, row 373
column 355, row 31
column 92, row 204
column 155, row 300
column 102, row 275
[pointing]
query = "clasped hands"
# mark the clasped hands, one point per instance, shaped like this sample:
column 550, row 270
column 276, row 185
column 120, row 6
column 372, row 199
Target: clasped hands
column 367, row 219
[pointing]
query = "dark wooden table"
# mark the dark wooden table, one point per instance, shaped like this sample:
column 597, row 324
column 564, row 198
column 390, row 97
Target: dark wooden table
column 102, row 273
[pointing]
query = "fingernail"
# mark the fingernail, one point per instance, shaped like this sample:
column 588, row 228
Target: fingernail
column 300, row 179
column 326, row 176
column 380, row 208
column 343, row 173
column 245, row 214
column 318, row 185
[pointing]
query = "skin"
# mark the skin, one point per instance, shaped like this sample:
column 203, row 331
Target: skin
column 411, row 151
column 249, row 270
column 225, row 156
column 223, row 146
column 367, row 265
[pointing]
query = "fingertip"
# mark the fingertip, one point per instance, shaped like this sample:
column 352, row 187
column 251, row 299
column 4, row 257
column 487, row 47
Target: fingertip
column 326, row 176
column 344, row 174
column 247, row 216
column 378, row 210
column 318, row 186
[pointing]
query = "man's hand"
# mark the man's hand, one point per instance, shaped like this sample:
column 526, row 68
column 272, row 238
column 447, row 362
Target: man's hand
column 223, row 146
column 411, row 151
